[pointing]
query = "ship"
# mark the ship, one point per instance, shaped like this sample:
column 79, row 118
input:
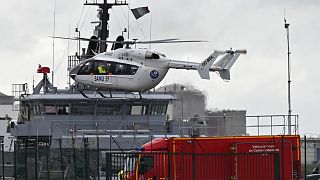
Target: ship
column 55, row 120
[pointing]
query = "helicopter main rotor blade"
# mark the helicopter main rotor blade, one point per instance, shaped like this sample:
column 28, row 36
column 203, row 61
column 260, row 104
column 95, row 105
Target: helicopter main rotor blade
column 122, row 42
column 84, row 39
column 156, row 41
column 160, row 41
column 173, row 41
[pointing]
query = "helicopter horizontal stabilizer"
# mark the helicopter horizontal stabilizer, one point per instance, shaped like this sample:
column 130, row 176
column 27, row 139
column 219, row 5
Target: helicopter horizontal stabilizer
column 203, row 68
column 224, row 65
column 225, row 74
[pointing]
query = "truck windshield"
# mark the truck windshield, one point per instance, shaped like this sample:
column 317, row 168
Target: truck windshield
column 130, row 163
column 145, row 164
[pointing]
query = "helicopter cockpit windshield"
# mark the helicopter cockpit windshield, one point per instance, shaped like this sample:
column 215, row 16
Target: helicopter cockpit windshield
column 107, row 68
column 86, row 68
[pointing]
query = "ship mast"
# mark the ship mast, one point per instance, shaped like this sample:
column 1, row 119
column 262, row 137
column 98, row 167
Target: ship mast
column 104, row 18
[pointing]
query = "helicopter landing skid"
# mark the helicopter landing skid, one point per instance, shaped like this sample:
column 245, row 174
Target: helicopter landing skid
column 96, row 91
column 82, row 93
column 102, row 95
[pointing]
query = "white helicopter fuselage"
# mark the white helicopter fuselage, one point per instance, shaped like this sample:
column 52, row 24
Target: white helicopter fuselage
column 149, row 72
column 141, row 70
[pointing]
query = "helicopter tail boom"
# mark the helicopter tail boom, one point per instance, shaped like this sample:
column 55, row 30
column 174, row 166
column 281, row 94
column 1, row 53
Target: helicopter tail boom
column 222, row 66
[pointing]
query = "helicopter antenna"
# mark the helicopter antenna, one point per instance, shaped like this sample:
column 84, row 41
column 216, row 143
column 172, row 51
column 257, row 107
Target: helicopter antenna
column 286, row 26
column 54, row 31
column 128, row 19
column 150, row 29
column 33, row 83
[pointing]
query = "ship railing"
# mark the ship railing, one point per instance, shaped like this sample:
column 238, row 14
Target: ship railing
column 108, row 131
column 74, row 60
column 240, row 125
column 273, row 124
column 18, row 90
column 202, row 126
column 98, row 2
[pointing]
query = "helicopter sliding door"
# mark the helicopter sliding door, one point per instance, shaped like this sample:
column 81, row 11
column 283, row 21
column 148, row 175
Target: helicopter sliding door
column 114, row 68
column 107, row 74
column 125, row 75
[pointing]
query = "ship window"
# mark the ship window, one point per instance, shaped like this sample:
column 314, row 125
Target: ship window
column 137, row 110
column 77, row 109
column 63, row 109
column 108, row 109
column 86, row 69
column 50, row 109
column 35, row 110
column 158, row 109
column 24, row 110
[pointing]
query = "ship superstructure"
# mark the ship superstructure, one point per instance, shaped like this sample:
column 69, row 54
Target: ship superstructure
column 55, row 116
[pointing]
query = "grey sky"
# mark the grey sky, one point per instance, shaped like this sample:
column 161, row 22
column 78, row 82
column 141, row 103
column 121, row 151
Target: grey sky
column 258, row 79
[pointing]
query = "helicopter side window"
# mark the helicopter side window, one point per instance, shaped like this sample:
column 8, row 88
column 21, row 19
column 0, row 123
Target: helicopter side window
column 109, row 68
column 86, row 69
column 112, row 68
column 125, row 69
column 102, row 68
column 133, row 69
column 120, row 69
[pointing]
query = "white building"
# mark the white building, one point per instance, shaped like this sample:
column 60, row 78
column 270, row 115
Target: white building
column 191, row 102
column 226, row 123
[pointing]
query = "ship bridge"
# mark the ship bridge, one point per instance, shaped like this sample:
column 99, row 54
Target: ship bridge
column 55, row 116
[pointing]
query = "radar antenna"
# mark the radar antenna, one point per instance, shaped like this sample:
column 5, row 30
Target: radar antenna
column 104, row 18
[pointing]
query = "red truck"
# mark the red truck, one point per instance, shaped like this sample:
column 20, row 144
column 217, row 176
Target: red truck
column 204, row 158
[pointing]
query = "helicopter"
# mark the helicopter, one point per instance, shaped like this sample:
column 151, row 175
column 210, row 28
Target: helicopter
column 137, row 70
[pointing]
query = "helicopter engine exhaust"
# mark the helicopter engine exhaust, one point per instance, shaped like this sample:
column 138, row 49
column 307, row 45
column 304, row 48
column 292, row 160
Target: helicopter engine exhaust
column 118, row 45
column 93, row 46
column 151, row 55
